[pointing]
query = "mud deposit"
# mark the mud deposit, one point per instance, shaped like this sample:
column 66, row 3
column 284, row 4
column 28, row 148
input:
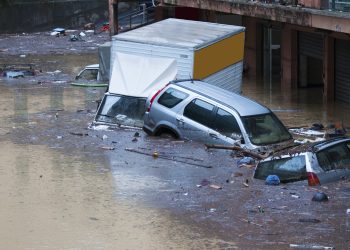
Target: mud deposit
column 64, row 186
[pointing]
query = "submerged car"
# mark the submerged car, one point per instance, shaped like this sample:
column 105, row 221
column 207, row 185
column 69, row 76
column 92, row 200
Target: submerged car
column 191, row 109
column 90, row 77
column 318, row 163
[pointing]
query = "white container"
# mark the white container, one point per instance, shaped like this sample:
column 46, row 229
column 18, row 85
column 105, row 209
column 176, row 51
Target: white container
column 208, row 51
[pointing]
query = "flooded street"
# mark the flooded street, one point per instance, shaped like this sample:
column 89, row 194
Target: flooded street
column 64, row 186
column 298, row 107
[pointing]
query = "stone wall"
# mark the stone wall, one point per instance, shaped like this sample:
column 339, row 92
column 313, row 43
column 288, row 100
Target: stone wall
column 34, row 16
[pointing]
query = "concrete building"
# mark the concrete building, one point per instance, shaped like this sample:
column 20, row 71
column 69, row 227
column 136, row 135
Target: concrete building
column 304, row 42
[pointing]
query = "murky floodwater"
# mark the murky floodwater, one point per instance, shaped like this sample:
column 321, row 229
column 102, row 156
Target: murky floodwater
column 298, row 107
column 55, row 198
column 60, row 190
column 50, row 201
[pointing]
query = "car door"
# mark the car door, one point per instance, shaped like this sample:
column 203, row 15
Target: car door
column 226, row 125
column 335, row 163
column 196, row 120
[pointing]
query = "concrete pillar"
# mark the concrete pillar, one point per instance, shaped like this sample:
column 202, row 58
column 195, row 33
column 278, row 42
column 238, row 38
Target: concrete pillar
column 328, row 70
column 160, row 13
column 113, row 17
column 289, row 57
column 253, row 47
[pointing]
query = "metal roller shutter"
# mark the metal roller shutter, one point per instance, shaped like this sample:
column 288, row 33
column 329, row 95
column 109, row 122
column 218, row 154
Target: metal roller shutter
column 311, row 44
column 342, row 70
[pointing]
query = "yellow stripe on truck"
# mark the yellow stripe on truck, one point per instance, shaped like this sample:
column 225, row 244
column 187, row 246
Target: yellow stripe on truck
column 218, row 56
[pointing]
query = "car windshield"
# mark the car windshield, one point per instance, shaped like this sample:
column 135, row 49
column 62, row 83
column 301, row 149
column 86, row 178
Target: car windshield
column 88, row 74
column 265, row 129
column 335, row 157
column 287, row 169
column 121, row 110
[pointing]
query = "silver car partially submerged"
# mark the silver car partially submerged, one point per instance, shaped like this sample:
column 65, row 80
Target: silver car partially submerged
column 191, row 109
column 318, row 163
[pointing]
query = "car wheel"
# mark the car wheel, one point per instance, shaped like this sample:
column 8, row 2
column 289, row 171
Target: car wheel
column 167, row 133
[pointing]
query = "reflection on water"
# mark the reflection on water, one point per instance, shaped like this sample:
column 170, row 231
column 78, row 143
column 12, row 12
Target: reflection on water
column 51, row 201
column 297, row 107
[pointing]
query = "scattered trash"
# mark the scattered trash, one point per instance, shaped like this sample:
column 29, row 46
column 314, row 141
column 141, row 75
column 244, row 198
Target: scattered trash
column 348, row 211
column 260, row 209
column 236, row 148
column 58, row 31
column 73, row 38
column 217, row 187
column 22, row 56
column 320, row 197
column 14, row 74
column 295, row 196
column 309, row 220
column 237, row 174
column 309, row 246
column 82, row 34
column 59, row 137
column 212, row 210
column 100, row 127
column 246, row 166
column 89, row 26
column 155, row 154
column 107, row 148
column 272, row 180
column 185, row 194
column 165, row 157
column 205, row 182
column 246, row 160
column 317, row 126
column 246, row 183
column 104, row 137
column 198, row 185
column 79, row 134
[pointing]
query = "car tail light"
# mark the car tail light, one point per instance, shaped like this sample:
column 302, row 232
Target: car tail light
column 154, row 97
column 312, row 179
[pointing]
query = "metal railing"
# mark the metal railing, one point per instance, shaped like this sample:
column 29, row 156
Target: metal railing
column 137, row 18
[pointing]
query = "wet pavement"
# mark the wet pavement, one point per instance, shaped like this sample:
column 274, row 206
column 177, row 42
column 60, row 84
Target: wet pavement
column 64, row 186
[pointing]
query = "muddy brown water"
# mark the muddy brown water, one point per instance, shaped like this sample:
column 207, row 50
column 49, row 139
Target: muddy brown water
column 61, row 190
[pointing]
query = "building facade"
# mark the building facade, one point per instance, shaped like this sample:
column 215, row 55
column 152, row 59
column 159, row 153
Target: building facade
column 304, row 42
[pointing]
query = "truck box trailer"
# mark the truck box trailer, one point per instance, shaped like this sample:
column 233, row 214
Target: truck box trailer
column 146, row 59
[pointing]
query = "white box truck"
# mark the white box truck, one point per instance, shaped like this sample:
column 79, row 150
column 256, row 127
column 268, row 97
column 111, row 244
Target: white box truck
column 146, row 59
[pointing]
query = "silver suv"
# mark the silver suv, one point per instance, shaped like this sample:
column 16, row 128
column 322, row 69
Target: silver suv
column 191, row 109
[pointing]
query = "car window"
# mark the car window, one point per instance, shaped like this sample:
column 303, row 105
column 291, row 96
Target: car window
column 199, row 111
column 287, row 169
column 265, row 129
column 89, row 74
column 123, row 110
column 171, row 97
column 226, row 124
column 335, row 157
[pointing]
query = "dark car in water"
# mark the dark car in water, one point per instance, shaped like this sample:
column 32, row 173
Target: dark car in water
column 318, row 163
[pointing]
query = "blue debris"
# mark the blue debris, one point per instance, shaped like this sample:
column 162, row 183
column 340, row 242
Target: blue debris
column 246, row 160
column 320, row 197
column 272, row 180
